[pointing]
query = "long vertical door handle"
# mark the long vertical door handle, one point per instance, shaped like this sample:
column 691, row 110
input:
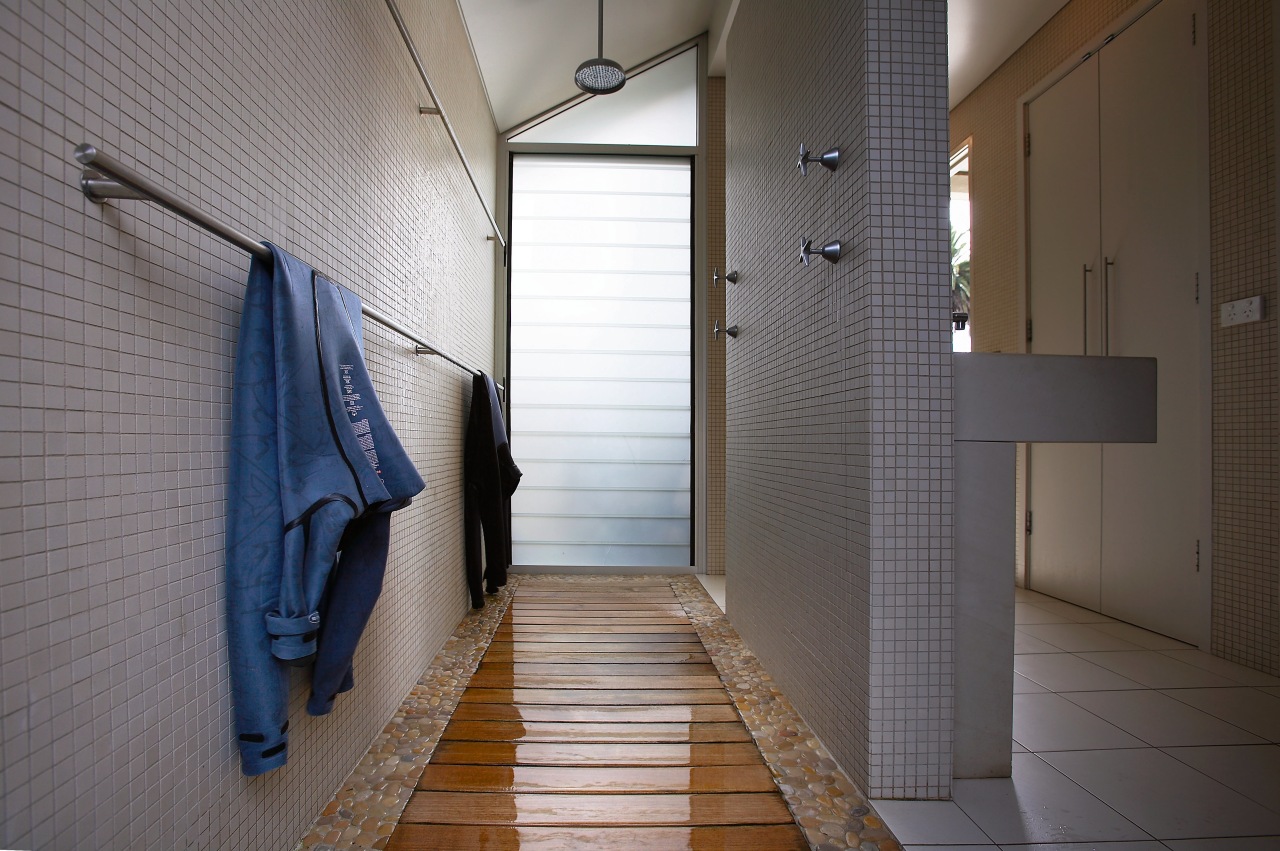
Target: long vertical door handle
column 1084, row 289
column 1107, row 263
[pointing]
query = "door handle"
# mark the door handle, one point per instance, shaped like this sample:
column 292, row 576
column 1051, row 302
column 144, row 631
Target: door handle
column 1107, row 263
column 1084, row 289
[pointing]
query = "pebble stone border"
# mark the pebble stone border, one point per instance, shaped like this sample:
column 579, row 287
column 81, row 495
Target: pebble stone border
column 364, row 812
column 829, row 808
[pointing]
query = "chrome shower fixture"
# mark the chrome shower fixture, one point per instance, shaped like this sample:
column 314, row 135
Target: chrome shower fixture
column 829, row 159
column 829, row 252
column 716, row 277
column 600, row 76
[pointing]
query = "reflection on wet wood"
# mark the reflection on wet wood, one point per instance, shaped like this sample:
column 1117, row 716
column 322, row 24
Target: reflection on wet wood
column 499, row 679
column 638, row 619
column 586, row 645
column 433, row 837
column 506, row 635
column 596, row 609
column 595, row 697
column 569, row 753
column 591, row 714
column 602, row 598
column 596, row 721
column 589, row 667
column 543, row 731
column 596, row 780
column 507, row 654
column 644, row 808
column 564, row 628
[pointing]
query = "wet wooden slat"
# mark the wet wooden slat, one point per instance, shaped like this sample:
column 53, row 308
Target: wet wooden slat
column 588, row 654
column 585, row 667
column 591, row 753
column 498, row 679
column 562, row 587
column 588, row 620
column 589, row 646
column 542, row 731
column 638, row 597
column 476, row 808
column 506, row 634
column 433, row 837
column 595, row 697
column 555, row 607
column 601, row 780
column 657, row 714
column 536, row 581
column 684, row 628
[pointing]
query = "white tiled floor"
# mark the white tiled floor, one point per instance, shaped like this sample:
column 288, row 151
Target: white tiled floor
column 1124, row 740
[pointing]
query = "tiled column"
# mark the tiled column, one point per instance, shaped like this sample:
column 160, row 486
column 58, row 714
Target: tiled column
column 839, row 468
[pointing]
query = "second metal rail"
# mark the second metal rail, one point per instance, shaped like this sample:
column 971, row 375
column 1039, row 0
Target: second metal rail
column 106, row 177
column 438, row 109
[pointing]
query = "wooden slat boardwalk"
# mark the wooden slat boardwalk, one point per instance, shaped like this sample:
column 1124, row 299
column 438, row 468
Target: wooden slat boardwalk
column 596, row 721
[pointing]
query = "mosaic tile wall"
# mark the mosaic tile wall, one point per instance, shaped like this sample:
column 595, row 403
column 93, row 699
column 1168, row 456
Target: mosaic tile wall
column 1246, row 530
column 295, row 120
column 1242, row 187
column 715, row 310
column 838, row 454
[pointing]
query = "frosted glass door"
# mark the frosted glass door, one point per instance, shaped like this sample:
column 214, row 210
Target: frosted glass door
column 600, row 389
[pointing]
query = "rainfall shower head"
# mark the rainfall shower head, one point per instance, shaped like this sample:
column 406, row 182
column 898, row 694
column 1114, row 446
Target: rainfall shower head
column 600, row 76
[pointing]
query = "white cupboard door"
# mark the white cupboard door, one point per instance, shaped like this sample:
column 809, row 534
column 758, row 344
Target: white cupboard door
column 1150, row 241
column 1064, row 480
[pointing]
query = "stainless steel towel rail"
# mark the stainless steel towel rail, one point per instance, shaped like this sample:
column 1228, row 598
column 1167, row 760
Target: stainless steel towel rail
column 106, row 177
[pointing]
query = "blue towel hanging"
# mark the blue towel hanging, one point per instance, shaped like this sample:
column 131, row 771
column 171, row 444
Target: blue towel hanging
column 315, row 471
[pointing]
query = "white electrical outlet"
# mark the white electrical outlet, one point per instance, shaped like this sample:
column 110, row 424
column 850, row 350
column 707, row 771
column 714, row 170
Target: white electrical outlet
column 1240, row 311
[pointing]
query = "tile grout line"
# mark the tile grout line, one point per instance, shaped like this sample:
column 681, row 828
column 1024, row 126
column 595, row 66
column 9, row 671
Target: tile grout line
column 368, row 806
column 839, row 816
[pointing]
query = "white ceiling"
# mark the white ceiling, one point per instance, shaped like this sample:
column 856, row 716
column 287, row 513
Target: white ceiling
column 982, row 34
column 528, row 49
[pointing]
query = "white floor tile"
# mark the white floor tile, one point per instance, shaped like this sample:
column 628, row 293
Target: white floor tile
column 1038, row 804
column 1076, row 614
column 1253, row 771
column 986, row 845
column 1017, row 748
column 1067, row 672
column 1022, row 685
column 1249, row 708
column 1025, row 643
column 1030, row 613
column 1159, row 720
column 1142, row 637
column 1026, row 595
column 1163, row 796
column 1237, row 673
column 929, row 823
column 1076, row 637
column 1049, row 722
column 1156, row 670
